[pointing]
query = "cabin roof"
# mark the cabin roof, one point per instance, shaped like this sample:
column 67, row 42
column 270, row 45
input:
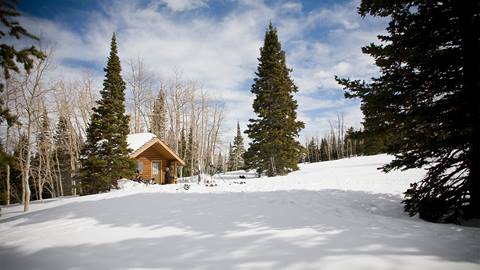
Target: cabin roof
column 137, row 140
column 140, row 142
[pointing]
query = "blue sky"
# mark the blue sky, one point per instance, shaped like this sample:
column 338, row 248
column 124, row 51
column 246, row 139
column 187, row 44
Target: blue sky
column 216, row 43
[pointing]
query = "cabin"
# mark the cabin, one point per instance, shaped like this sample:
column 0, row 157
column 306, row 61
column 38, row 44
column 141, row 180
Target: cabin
column 153, row 156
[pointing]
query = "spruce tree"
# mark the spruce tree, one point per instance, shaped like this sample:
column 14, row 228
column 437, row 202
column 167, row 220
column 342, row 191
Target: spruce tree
column 426, row 102
column 105, row 156
column 158, row 118
column 62, row 145
column 44, row 136
column 231, row 157
column 312, row 151
column 324, row 156
column 44, row 155
column 11, row 57
column 190, row 149
column 237, row 151
column 219, row 168
column 274, row 148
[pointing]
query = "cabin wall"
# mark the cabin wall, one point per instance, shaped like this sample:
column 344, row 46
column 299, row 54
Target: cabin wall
column 146, row 157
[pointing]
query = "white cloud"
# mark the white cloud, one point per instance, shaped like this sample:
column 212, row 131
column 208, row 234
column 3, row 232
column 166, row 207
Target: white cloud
column 291, row 7
column 184, row 5
column 221, row 52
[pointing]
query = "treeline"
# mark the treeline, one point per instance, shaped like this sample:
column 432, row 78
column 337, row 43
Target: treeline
column 45, row 117
column 52, row 116
column 336, row 145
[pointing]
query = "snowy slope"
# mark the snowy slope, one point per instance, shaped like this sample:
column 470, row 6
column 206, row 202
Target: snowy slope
column 333, row 215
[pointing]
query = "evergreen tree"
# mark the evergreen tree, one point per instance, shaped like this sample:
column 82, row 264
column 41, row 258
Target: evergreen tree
column 274, row 148
column 237, row 151
column 312, row 151
column 426, row 102
column 220, row 161
column 44, row 136
column 182, row 149
column 333, row 145
column 231, row 158
column 182, row 145
column 189, row 168
column 158, row 118
column 8, row 165
column 105, row 156
column 10, row 57
column 44, row 156
column 62, row 145
column 324, row 155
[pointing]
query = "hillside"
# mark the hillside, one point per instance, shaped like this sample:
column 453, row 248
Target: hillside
column 341, row 214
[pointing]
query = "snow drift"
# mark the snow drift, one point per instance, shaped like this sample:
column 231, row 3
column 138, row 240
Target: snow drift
column 341, row 214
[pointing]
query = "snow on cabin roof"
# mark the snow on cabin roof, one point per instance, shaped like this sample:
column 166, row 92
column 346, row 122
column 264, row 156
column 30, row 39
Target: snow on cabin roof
column 137, row 140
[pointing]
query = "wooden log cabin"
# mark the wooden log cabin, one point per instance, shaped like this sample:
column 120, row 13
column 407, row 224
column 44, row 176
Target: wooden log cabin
column 153, row 157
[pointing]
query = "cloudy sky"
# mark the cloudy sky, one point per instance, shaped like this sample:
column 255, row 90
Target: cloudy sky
column 216, row 43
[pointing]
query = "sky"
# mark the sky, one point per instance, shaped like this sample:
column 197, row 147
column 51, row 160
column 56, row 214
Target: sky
column 216, row 43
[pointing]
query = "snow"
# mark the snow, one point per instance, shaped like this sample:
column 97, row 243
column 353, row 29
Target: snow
column 137, row 140
column 341, row 214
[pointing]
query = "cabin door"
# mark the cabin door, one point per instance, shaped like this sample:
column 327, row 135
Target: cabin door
column 156, row 170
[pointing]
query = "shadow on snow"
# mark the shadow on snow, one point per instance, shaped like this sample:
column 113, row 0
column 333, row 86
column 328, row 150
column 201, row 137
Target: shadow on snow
column 230, row 230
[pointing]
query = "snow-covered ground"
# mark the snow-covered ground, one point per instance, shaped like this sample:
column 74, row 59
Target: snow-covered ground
column 333, row 215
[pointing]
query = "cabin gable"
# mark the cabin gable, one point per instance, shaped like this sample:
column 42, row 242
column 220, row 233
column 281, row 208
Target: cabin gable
column 153, row 153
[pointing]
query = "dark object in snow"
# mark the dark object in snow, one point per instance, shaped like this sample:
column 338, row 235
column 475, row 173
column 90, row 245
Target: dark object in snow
column 242, row 177
column 168, row 176
column 186, row 186
column 240, row 183
column 211, row 185
column 138, row 178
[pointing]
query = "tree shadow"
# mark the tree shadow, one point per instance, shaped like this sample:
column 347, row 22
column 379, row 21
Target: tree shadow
column 280, row 229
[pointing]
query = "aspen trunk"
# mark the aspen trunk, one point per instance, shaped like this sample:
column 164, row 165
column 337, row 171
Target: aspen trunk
column 8, row 184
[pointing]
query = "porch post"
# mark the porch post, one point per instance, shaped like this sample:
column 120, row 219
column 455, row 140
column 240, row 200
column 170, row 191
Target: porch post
column 174, row 172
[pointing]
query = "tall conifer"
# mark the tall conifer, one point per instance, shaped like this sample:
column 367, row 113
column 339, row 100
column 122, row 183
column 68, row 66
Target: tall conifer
column 62, row 144
column 237, row 151
column 274, row 148
column 426, row 101
column 105, row 157
column 158, row 118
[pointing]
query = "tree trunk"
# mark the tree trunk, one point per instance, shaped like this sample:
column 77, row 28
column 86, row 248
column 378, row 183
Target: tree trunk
column 25, row 179
column 39, row 180
column 60, row 184
column 8, row 184
column 471, row 69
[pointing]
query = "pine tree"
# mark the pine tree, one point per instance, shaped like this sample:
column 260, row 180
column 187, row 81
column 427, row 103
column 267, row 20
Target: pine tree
column 312, row 151
column 44, row 157
column 231, row 158
column 8, row 171
column 105, row 156
column 10, row 57
column 274, row 148
column 182, row 150
column 426, row 101
column 44, row 136
column 190, row 149
column 62, row 144
column 219, row 168
column 324, row 155
column 158, row 118
column 182, row 145
column 237, row 151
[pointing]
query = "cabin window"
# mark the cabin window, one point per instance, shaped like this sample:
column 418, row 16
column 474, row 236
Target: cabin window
column 140, row 167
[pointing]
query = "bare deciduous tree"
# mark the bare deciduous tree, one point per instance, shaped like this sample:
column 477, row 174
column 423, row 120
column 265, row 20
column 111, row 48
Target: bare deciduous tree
column 30, row 90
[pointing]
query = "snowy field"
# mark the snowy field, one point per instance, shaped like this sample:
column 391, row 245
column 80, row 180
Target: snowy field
column 333, row 215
